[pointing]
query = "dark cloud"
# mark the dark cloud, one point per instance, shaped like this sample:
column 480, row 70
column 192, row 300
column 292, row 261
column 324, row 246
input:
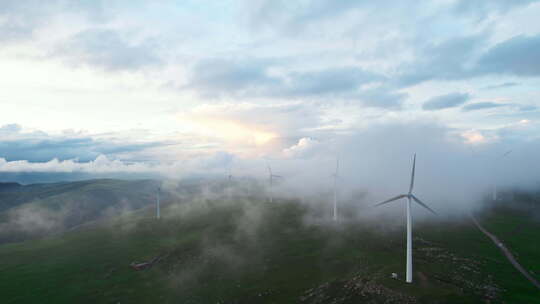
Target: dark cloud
column 527, row 108
column 252, row 77
column 335, row 80
column 216, row 77
column 482, row 105
column 382, row 98
column 109, row 50
column 292, row 17
column 517, row 56
column 462, row 58
column 447, row 60
column 445, row 101
column 39, row 146
column 483, row 8
column 20, row 19
column 502, row 85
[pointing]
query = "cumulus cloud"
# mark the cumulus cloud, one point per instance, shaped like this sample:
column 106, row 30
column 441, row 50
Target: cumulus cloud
column 109, row 50
column 271, row 78
column 516, row 56
column 38, row 146
column 19, row 20
column 502, row 85
column 482, row 105
column 303, row 148
column 481, row 9
column 100, row 165
column 445, row 101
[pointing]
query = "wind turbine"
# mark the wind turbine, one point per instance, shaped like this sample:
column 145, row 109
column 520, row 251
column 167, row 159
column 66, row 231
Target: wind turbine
column 229, row 173
column 495, row 182
column 336, row 177
column 409, row 197
column 158, row 215
column 271, row 179
column 229, row 183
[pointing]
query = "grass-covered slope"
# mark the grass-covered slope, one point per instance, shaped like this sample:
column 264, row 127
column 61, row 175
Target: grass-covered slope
column 250, row 251
column 36, row 210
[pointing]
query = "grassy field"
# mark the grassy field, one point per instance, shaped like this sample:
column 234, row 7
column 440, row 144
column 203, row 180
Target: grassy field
column 250, row 251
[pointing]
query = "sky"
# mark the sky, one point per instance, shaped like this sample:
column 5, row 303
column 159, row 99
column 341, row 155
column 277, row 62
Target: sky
column 183, row 88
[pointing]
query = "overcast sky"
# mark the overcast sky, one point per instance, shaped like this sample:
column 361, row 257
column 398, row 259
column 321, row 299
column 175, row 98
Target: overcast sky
column 100, row 85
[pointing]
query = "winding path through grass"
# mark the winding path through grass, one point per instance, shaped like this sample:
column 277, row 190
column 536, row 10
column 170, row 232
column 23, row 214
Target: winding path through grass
column 506, row 252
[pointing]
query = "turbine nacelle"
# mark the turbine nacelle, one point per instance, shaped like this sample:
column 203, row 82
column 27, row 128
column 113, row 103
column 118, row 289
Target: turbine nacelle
column 409, row 195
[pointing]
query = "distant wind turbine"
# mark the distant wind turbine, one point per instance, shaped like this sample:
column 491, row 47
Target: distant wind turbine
column 271, row 180
column 229, row 173
column 409, row 196
column 495, row 182
column 229, row 183
column 336, row 177
column 158, row 215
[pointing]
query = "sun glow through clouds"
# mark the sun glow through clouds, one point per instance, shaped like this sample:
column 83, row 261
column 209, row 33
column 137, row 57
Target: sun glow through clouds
column 229, row 130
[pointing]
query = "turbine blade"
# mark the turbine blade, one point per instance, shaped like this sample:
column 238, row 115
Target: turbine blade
column 391, row 200
column 269, row 169
column 412, row 174
column 337, row 166
column 423, row 205
column 507, row 152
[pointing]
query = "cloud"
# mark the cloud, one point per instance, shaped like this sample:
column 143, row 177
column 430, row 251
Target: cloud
column 502, row 85
column 445, row 101
column 481, row 9
column 469, row 57
column 516, row 56
column 38, row 146
column 303, row 148
column 449, row 59
column 10, row 129
column 382, row 98
column 482, row 105
column 100, row 165
column 269, row 78
column 217, row 77
column 109, row 50
column 254, row 127
column 19, row 20
column 329, row 81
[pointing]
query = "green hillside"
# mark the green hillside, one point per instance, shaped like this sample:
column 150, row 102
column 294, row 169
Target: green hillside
column 36, row 210
column 250, row 251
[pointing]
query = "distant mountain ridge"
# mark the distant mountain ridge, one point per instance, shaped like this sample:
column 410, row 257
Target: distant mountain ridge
column 9, row 186
column 34, row 210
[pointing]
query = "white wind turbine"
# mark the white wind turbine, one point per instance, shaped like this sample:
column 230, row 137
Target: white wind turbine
column 336, row 177
column 495, row 182
column 158, row 215
column 409, row 197
column 229, row 183
column 271, row 180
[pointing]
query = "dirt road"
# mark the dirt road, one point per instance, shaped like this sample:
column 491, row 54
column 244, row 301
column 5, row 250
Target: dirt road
column 506, row 252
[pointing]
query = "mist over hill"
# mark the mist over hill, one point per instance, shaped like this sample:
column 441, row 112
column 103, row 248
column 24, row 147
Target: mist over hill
column 222, row 241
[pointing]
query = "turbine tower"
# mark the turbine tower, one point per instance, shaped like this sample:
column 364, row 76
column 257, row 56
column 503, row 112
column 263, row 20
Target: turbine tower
column 410, row 196
column 336, row 177
column 271, row 180
column 229, row 183
column 158, row 215
column 494, row 175
column 229, row 173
